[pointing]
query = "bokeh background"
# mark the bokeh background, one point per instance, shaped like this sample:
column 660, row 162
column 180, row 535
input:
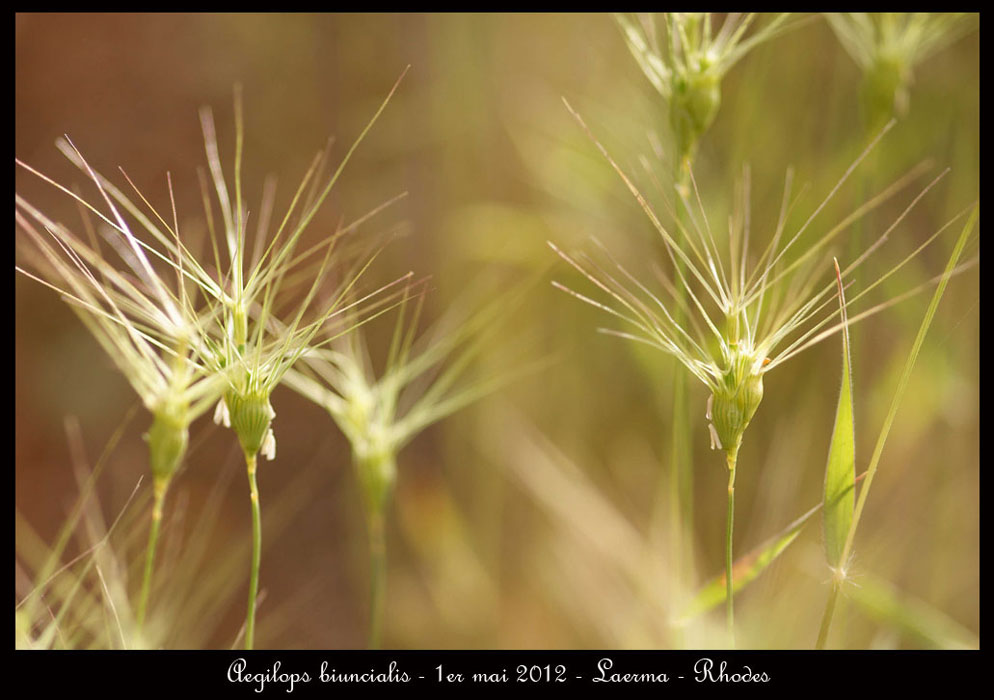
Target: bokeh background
column 537, row 517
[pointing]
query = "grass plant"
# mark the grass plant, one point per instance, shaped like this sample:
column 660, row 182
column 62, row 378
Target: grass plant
column 147, row 323
column 229, row 353
column 577, row 508
column 741, row 323
column 247, row 351
column 424, row 380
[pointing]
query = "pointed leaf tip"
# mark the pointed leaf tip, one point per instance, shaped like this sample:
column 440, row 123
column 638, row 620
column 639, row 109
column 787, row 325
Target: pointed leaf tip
column 840, row 471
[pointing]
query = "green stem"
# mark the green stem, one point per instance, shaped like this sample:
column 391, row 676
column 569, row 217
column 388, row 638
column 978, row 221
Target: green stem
column 681, row 444
column 729, row 528
column 826, row 620
column 377, row 576
column 682, row 476
column 683, row 179
column 159, row 495
column 250, row 462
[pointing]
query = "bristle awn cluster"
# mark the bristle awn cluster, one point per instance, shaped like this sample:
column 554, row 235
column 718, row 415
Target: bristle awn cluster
column 249, row 353
column 201, row 335
column 426, row 377
column 149, row 324
column 740, row 324
column 685, row 58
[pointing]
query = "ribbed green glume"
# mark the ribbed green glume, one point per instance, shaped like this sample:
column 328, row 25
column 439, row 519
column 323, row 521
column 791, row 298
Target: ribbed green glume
column 167, row 438
column 734, row 401
column 693, row 107
column 731, row 414
column 251, row 416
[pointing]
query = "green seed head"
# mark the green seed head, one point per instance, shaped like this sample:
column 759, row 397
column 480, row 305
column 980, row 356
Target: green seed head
column 251, row 417
column 735, row 399
column 885, row 88
column 167, row 442
column 693, row 107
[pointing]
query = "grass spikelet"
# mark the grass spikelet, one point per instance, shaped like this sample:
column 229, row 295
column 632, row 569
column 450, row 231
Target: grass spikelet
column 685, row 59
column 888, row 46
column 740, row 323
column 248, row 352
column 424, row 380
column 148, row 323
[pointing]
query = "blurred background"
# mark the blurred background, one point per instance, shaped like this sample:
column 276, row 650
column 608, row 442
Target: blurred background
column 536, row 518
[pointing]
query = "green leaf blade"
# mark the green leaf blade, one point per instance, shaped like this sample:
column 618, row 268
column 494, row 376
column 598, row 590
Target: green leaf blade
column 905, row 376
column 840, row 471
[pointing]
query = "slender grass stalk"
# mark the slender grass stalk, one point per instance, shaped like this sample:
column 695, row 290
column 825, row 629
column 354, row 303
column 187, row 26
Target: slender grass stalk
column 681, row 449
column 377, row 576
column 750, row 565
column 159, row 496
column 682, row 454
column 376, row 473
column 729, row 530
column 682, row 479
column 250, row 463
column 826, row 618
